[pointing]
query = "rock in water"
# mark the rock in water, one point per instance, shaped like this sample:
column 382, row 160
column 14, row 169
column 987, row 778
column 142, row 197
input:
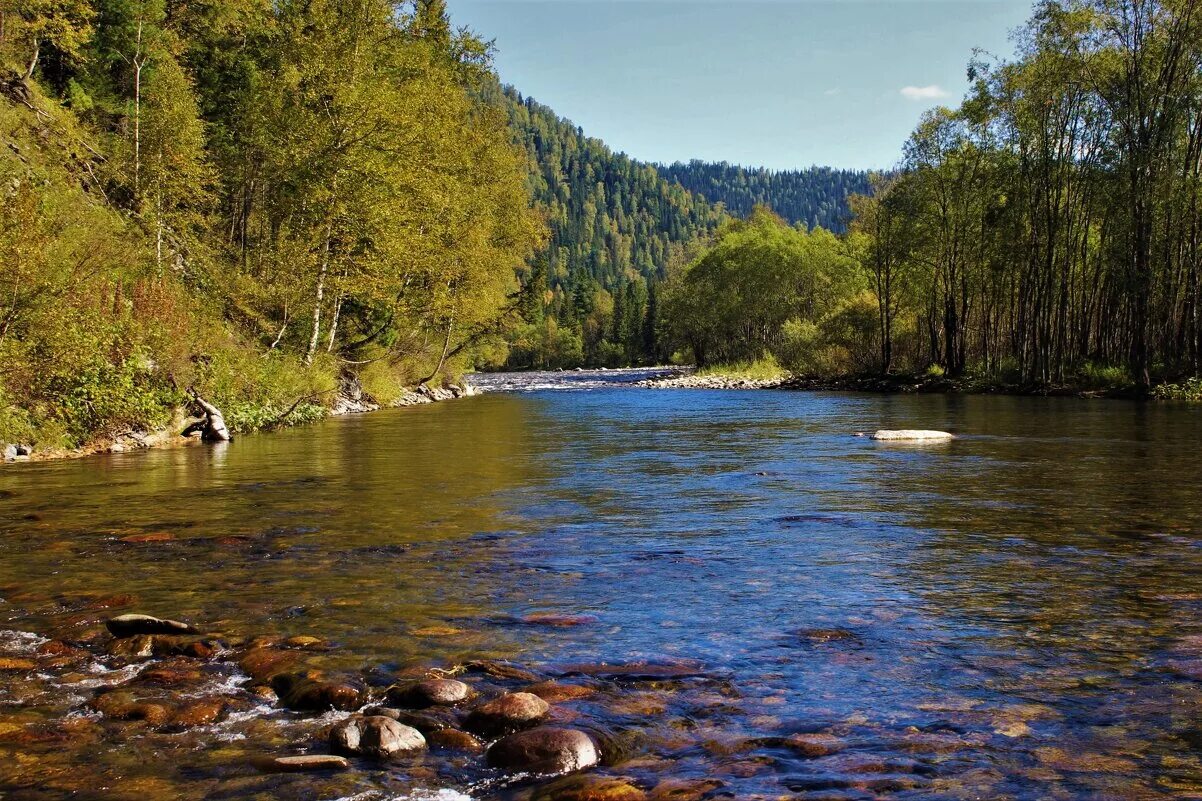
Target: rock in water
column 302, row 692
column 546, row 749
column 132, row 625
column 431, row 692
column 912, row 435
column 507, row 713
column 306, row 762
column 377, row 736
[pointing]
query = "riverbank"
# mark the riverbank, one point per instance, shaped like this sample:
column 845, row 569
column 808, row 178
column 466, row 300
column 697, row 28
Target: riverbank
column 349, row 400
column 897, row 383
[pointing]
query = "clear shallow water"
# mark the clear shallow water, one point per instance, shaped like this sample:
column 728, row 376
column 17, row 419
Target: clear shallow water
column 1016, row 614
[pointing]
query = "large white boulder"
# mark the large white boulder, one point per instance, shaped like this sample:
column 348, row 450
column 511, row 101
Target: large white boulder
column 911, row 435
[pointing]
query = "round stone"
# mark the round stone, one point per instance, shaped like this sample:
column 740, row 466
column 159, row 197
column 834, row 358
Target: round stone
column 508, row 713
column 546, row 749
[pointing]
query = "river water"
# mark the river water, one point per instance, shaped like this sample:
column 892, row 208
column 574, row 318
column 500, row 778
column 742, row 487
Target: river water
column 1015, row 614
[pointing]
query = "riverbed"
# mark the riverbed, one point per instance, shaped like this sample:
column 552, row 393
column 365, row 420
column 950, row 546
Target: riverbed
column 1016, row 613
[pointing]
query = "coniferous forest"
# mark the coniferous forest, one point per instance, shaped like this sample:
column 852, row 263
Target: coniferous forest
column 815, row 197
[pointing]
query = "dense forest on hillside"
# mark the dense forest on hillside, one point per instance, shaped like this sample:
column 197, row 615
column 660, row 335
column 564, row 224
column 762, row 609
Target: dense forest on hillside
column 616, row 226
column 258, row 201
column 1044, row 232
column 619, row 227
column 816, row 197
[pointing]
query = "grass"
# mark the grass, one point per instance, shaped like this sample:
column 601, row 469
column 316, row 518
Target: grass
column 763, row 369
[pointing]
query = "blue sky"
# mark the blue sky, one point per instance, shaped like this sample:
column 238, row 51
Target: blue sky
column 778, row 83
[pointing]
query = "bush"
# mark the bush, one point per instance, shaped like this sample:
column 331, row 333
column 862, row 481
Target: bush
column 1189, row 390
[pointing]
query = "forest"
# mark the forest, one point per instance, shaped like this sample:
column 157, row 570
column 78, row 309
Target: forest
column 256, row 201
column 816, row 197
column 1043, row 233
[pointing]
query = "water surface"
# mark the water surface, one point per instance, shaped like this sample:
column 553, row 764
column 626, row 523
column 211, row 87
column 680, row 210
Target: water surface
column 1016, row 614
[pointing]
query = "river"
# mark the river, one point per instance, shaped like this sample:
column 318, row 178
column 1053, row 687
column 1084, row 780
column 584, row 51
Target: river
column 1014, row 614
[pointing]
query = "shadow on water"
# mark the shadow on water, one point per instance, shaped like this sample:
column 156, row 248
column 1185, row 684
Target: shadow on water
column 1014, row 614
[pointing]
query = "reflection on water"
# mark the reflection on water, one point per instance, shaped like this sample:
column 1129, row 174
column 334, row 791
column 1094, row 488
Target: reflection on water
column 1016, row 614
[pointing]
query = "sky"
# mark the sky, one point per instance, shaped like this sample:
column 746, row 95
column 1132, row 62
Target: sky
column 777, row 83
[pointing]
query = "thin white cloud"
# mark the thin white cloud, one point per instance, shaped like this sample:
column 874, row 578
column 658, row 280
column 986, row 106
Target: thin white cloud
column 932, row 92
column 832, row 92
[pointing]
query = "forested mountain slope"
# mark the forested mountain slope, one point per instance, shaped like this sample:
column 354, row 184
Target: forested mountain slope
column 617, row 227
column 816, row 196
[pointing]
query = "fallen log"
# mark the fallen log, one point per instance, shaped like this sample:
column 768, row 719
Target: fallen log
column 209, row 422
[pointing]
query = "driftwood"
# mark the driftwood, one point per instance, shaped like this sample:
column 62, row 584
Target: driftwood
column 209, row 422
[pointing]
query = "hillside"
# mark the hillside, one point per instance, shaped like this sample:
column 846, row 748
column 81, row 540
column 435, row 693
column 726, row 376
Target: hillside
column 618, row 227
column 816, row 196
column 263, row 204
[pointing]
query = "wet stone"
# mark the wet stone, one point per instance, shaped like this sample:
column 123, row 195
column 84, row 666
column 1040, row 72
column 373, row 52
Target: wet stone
column 131, row 625
column 590, row 788
column 264, row 663
column 455, row 739
column 508, row 713
column 684, row 789
column 636, row 671
column 553, row 692
column 200, row 712
column 545, row 750
column 376, row 736
column 137, row 647
column 426, row 721
column 500, row 670
column 427, row 693
column 15, row 663
column 303, row 763
column 302, row 692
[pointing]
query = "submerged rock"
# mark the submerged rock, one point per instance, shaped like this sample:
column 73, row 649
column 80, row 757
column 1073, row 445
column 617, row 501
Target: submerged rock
column 546, row 749
column 501, row 670
column 376, row 736
column 304, row 692
column 132, row 625
column 303, row 763
column 507, row 713
column 590, row 788
column 426, row 721
column 16, row 663
column 264, row 663
column 427, row 693
column 455, row 739
column 200, row 712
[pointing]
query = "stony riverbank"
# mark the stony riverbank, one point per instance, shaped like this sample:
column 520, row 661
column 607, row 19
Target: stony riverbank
column 350, row 399
column 574, row 732
column 899, row 383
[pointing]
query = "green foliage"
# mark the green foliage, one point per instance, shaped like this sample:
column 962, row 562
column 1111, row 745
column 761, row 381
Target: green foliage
column 1188, row 390
column 816, row 197
column 734, row 302
column 246, row 198
column 765, row 368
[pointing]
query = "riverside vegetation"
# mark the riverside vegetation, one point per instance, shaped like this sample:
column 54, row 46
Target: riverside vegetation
column 261, row 202
column 1042, row 234
column 273, row 204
